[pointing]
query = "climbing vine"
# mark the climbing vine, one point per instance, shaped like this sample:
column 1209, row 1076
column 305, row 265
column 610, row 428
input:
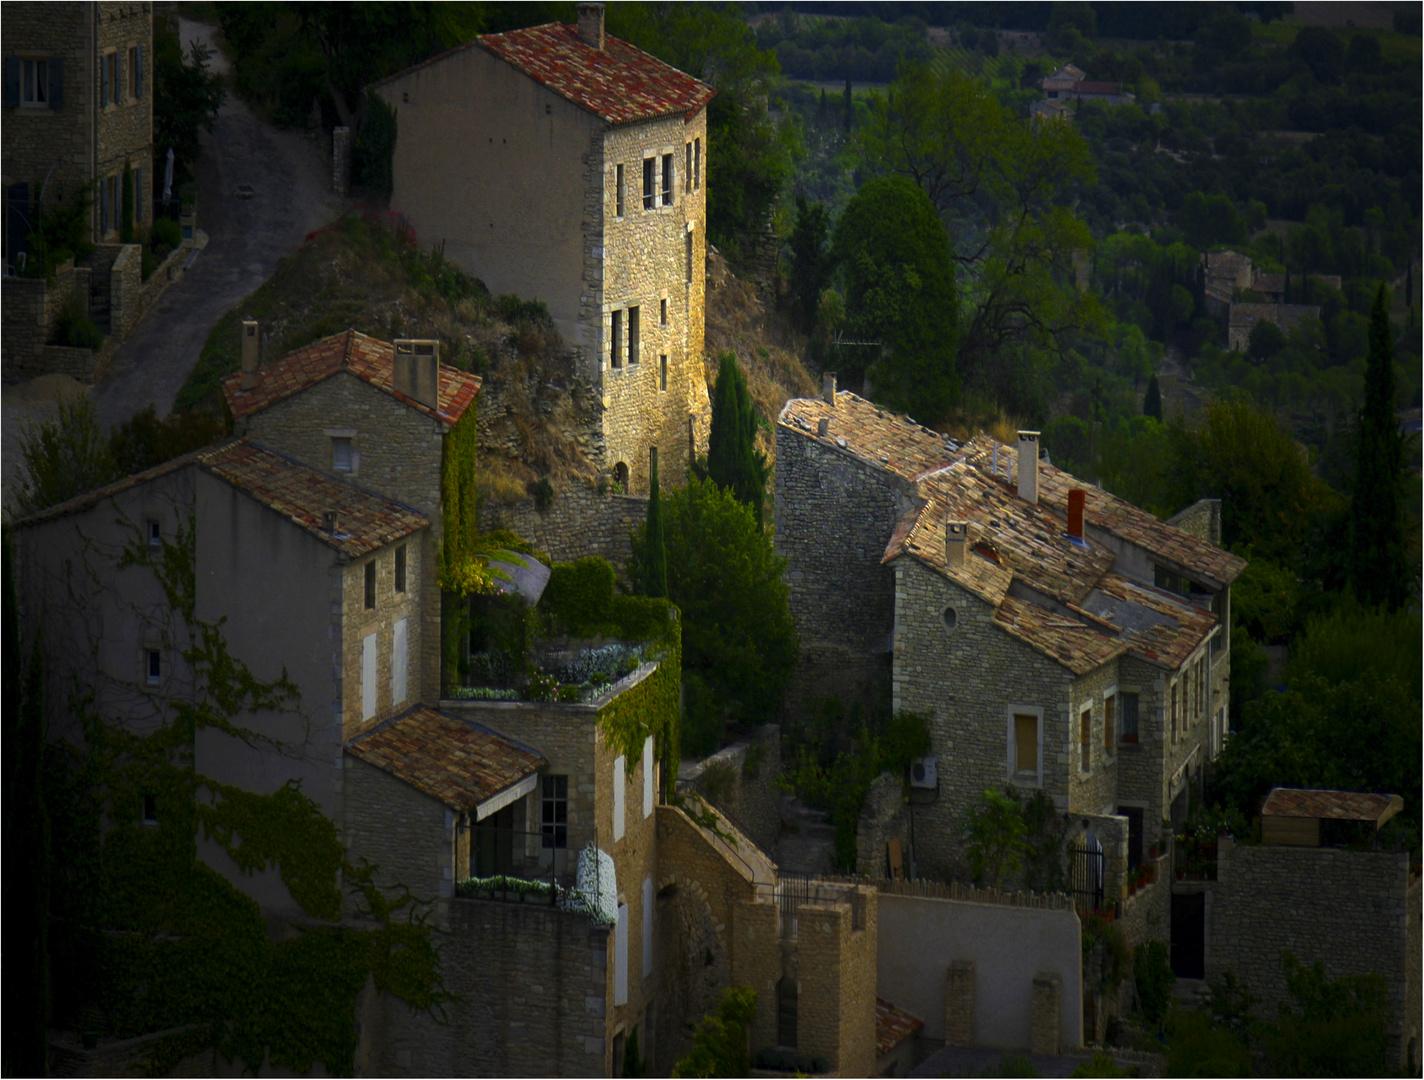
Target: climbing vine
column 652, row 707
column 151, row 937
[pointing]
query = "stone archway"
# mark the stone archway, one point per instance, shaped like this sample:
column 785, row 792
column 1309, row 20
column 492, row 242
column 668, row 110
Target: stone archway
column 693, row 963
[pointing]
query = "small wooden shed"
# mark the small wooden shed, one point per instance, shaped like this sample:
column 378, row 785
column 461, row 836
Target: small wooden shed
column 1294, row 815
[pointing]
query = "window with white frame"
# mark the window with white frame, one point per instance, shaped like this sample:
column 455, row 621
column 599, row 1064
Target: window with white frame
column 1025, row 744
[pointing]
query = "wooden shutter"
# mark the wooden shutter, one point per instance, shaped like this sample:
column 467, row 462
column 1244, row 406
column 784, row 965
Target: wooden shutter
column 12, row 82
column 56, row 83
column 1109, row 716
column 103, row 81
column 138, row 72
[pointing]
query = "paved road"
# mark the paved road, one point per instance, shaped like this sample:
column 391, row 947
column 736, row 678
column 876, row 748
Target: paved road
column 292, row 196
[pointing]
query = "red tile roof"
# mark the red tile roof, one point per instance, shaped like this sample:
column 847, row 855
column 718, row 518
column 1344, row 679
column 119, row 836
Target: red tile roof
column 893, row 1025
column 457, row 762
column 365, row 357
column 621, row 84
column 1336, row 805
column 304, row 496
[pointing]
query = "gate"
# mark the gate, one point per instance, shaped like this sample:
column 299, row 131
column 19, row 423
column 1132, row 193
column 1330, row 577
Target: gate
column 1085, row 873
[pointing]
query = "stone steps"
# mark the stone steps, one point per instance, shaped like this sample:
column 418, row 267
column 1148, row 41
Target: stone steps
column 808, row 841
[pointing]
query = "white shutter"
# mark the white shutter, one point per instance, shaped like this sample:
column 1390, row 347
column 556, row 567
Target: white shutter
column 648, row 776
column 399, row 662
column 619, row 769
column 368, row 676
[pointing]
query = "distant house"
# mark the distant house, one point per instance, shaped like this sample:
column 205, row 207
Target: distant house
column 1227, row 275
column 562, row 164
column 1243, row 318
column 1069, row 83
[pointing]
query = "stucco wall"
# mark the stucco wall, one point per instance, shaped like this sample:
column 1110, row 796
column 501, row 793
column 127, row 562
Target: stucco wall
column 919, row 937
column 1347, row 909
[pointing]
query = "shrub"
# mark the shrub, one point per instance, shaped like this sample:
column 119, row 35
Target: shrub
column 579, row 594
column 1153, row 974
column 777, row 1059
column 163, row 237
column 75, row 327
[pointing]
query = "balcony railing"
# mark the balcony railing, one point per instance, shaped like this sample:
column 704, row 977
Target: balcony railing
column 528, row 868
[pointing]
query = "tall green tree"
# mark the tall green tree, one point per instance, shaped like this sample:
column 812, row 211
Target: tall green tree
column 898, row 268
column 186, row 98
column 733, row 462
column 654, row 549
column 1152, row 399
column 1379, row 568
column 811, row 262
column 1005, row 188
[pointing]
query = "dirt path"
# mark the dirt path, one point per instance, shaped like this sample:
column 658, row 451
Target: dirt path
column 292, row 195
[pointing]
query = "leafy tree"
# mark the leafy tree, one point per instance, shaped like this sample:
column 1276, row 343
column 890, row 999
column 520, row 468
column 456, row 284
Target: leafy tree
column 1380, row 571
column 733, row 462
column 1321, row 51
column 898, row 269
column 143, row 441
column 719, row 1045
column 64, row 457
column 1243, row 456
column 1266, row 340
column 375, row 148
column 811, row 263
column 738, row 638
column 1332, row 1027
column 186, row 98
column 1005, row 188
column 1210, row 219
column 994, row 834
column 1154, row 977
column 1152, row 399
column 655, row 568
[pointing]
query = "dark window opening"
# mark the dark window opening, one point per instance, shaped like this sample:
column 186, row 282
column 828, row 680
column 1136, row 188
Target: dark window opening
column 150, row 810
column 155, row 667
column 1128, row 718
column 554, row 820
column 618, row 192
column 633, row 325
column 662, row 372
column 696, row 164
column 689, row 258
column 400, row 568
column 370, row 585
column 664, row 312
column 615, row 338
column 667, row 179
column 155, row 534
column 786, row 1013
column 650, row 183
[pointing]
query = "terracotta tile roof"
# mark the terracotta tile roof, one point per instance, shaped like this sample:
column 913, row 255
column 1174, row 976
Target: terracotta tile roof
column 1336, row 805
column 893, row 1025
column 1082, row 87
column 304, row 496
column 457, row 762
column 1060, row 596
column 365, row 357
column 878, row 436
column 620, row 84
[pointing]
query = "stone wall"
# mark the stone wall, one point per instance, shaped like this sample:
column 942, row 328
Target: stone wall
column 125, row 125
column 836, row 976
column 31, row 311
column 1413, row 963
column 579, row 522
column 125, row 1057
column 528, row 986
column 1147, row 913
column 125, row 285
column 740, row 780
column 1202, row 519
column 408, row 835
column 1350, row 910
column 886, row 814
column 834, row 516
column 391, row 607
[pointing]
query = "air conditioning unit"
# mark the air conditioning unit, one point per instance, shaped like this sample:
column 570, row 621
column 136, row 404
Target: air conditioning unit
column 923, row 773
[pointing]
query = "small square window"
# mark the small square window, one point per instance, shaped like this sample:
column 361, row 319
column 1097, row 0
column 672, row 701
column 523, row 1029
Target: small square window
column 400, row 569
column 371, row 585
column 155, row 534
column 150, row 809
column 341, row 456
column 154, row 667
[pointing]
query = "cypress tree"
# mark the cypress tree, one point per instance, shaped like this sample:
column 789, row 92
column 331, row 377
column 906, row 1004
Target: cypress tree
column 849, row 108
column 733, row 463
column 1379, row 569
column 1152, row 400
column 654, row 550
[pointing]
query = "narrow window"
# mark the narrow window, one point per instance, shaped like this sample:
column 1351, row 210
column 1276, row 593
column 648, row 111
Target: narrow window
column 662, row 372
column 689, row 258
column 620, row 957
column 155, row 667
column 615, row 339
column 400, row 660
column 554, row 816
column 371, row 585
column 1174, row 712
column 667, row 180
column 103, row 207
column 696, row 164
column 341, row 454
column 650, row 183
column 36, row 82
column 155, row 534
column 648, row 775
column 633, row 321
column 1129, row 718
column 104, row 62
column 400, row 568
column 1026, row 745
column 368, row 676
column 1109, row 722
column 150, row 809
column 618, row 192
column 647, row 934
column 687, row 170
column 133, row 73
column 664, row 311
column 138, row 194
column 114, row 86
column 1085, row 739
column 619, row 776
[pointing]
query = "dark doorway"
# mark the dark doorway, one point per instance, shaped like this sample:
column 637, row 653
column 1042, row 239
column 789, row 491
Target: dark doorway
column 492, row 845
column 1134, row 834
column 1189, row 935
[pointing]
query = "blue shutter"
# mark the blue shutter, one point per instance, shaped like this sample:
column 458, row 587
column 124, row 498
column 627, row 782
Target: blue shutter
column 56, row 83
column 12, row 82
column 138, row 194
column 119, row 78
column 103, row 81
column 138, row 73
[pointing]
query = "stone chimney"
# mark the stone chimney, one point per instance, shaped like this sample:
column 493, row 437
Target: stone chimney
column 1028, row 465
column 417, row 371
column 956, row 538
column 828, row 388
column 590, row 25
column 1077, row 499
column 823, row 426
column 250, row 348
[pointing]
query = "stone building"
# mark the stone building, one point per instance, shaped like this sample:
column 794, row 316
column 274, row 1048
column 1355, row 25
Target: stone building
column 561, row 164
column 1063, row 640
column 78, row 110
